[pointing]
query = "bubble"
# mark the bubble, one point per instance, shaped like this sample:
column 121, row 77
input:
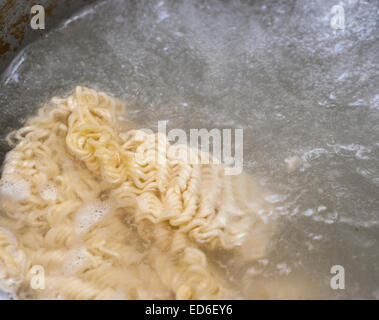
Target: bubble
column 14, row 187
column 77, row 260
column 275, row 198
column 49, row 191
column 90, row 215
column 283, row 268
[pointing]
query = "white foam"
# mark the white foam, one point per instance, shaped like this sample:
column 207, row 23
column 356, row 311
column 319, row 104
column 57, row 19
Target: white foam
column 8, row 287
column 49, row 191
column 14, row 187
column 90, row 214
column 283, row 268
column 293, row 163
column 76, row 261
column 9, row 168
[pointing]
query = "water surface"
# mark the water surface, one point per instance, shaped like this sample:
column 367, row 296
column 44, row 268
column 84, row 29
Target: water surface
column 305, row 94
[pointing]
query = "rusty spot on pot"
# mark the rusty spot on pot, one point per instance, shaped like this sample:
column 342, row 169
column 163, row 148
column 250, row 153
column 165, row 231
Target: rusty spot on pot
column 6, row 11
column 51, row 7
column 17, row 29
column 4, row 47
column 15, row 17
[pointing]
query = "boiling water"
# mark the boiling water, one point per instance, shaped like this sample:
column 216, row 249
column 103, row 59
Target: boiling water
column 305, row 94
